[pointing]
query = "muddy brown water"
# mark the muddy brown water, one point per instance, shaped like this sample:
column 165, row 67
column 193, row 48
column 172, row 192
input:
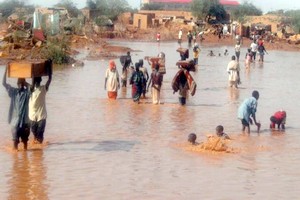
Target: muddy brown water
column 101, row 149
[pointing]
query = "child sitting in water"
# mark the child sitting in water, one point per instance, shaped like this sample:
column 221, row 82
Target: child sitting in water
column 192, row 139
column 220, row 132
column 211, row 53
column 226, row 52
column 278, row 118
column 212, row 144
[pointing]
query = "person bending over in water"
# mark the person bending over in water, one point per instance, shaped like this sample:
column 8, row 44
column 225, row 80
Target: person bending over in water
column 278, row 118
column 247, row 111
column 220, row 132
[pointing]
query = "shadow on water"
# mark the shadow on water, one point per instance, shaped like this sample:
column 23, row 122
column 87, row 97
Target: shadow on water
column 109, row 145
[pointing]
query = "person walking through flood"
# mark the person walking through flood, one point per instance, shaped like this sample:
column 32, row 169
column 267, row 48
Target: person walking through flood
column 183, row 89
column 125, row 62
column 237, row 49
column 112, row 82
column 253, row 47
column 180, row 36
column 137, row 81
column 18, row 111
column 37, row 107
column 190, row 38
column 261, row 51
column 196, row 52
column 233, row 69
column 146, row 76
column 248, row 58
column 183, row 81
column 247, row 111
column 156, row 79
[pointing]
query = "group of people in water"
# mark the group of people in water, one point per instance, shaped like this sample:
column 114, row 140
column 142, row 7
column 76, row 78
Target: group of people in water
column 139, row 79
column 247, row 115
column 27, row 110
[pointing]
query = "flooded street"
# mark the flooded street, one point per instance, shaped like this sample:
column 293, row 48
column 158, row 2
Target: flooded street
column 102, row 149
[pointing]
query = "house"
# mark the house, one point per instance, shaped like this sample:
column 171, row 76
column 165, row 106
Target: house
column 143, row 20
column 185, row 4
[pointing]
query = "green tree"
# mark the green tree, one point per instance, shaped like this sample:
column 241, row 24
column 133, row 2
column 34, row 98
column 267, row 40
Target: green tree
column 245, row 9
column 7, row 7
column 109, row 8
column 294, row 16
column 70, row 6
column 207, row 9
column 152, row 6
column 91, row 4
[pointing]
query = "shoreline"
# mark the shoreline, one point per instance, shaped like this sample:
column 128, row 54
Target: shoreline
column 103, row 49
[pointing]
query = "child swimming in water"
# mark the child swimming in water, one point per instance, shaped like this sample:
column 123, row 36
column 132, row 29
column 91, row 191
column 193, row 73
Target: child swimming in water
column 192, row 139
column 220, row 132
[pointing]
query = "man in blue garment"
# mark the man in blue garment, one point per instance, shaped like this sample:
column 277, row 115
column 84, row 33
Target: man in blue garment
column 18, row 111
column 247, row 110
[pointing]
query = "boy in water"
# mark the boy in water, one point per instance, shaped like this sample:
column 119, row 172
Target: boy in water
column 211, row 53
column 220, row 132
column 192, row 139
column 278, row 118
column 247, row 111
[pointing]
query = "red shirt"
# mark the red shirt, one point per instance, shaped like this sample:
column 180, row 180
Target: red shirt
column 280, row 115
column 157, row 36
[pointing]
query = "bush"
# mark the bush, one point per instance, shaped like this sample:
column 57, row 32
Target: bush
column 56, row 49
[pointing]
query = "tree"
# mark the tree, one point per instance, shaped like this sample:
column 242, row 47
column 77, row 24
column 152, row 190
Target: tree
column 109, row 8
column 152, row 6
column 245, row 9
column 8, row 6
column 70, row 6
column 294, row 16
column 207, row 9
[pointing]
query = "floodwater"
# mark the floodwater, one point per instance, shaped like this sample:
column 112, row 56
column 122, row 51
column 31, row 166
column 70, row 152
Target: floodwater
column 101, row 149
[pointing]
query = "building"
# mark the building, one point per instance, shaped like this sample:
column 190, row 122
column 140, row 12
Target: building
column 143, row 20
column 185, row 4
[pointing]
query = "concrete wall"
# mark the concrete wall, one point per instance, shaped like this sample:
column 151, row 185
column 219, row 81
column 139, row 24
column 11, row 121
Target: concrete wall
column 142, row 21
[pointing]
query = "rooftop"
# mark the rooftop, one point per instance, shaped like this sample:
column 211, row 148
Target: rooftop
column 223, row 2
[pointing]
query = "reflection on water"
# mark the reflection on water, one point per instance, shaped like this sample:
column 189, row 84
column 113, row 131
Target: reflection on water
column 27, row 177
column 101, row 149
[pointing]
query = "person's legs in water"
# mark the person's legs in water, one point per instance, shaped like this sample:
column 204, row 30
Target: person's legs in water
column 15, row 137
column 182, row 100
column 25, row 131
column 38, row 129
column 245, row 126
